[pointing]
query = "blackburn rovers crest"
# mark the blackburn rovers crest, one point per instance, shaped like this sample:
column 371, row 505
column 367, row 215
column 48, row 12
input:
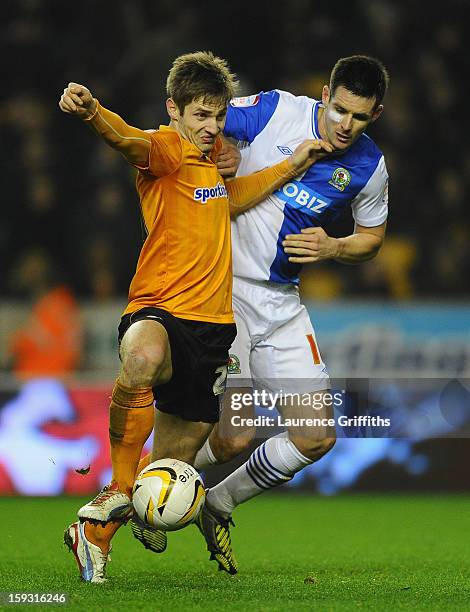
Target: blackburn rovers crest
column 340, row 179
column 234, row 364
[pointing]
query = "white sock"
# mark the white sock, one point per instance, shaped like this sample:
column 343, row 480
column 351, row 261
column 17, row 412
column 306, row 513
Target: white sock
column 271, row 464
column 204, row 457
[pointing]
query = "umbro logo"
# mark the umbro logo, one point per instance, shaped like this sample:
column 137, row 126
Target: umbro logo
column 285, row 150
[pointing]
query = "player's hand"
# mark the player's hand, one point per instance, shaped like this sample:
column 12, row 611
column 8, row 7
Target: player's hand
column 77, row 100
column 228, row 160
column 312, row 245
column 308, row 153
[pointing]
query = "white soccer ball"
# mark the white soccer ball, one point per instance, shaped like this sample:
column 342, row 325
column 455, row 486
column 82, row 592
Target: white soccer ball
column 168, row 494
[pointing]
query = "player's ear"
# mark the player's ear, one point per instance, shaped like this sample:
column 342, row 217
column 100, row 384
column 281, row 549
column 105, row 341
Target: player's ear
column 377, row 112
column 325, row 94
column 172, row 109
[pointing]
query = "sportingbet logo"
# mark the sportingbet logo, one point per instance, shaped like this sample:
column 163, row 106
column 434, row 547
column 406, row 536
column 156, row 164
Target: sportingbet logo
column 299, row 196
column 202, row 194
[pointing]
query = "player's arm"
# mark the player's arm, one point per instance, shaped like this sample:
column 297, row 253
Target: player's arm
column 369, row 209
column 362, row 245
column 244, row 192
column 133, row 143
column 314, row 244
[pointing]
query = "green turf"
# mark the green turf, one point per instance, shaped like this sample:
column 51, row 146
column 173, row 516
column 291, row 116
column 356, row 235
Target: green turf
column 295, row 553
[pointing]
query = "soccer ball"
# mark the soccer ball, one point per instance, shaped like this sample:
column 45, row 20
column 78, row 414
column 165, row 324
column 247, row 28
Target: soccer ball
column 168, row 494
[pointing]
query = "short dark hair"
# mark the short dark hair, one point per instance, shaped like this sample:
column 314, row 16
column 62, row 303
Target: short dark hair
column 362, row 75
column 200, row 76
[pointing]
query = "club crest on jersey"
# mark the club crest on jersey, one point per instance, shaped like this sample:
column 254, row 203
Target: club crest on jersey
column 233, row 364
column 245, row 101
column 202, row 194
column 340, row 179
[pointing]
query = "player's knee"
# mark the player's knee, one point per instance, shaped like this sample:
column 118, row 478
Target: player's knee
column 226, row 449
column 312, row 448
column 146, row 366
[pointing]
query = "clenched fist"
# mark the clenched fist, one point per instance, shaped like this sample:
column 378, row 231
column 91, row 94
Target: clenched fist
column 77, row 100
column 228, row 160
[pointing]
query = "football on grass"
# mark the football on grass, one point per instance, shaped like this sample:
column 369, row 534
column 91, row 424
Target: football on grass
column 168, row 494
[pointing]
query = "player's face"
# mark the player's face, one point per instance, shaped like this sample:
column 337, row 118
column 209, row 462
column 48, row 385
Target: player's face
column 201, row 123
column 346, row 116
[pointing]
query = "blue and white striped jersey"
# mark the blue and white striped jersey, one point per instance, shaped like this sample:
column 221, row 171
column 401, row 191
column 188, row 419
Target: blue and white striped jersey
column 274, row 123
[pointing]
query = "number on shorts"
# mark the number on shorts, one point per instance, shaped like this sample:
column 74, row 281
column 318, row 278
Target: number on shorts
column 220, row 381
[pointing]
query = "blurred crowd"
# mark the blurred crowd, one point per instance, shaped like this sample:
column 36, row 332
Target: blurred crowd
column 70, row 202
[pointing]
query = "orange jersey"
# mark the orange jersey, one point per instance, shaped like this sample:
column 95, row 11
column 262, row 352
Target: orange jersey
column 185, row 263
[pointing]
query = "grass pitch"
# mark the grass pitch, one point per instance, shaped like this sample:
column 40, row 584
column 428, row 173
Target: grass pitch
column 295, row 553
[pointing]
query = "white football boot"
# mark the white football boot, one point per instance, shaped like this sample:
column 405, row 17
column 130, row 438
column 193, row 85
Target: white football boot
column 91, row 560
column 109, row 505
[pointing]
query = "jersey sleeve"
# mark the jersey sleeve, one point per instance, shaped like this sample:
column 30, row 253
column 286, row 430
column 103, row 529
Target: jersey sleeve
column 370, row 206
column 166, row 153
column 248, row 116
column 247, row 191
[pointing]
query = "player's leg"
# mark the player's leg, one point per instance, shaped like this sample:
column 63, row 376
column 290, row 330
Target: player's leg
column 285, row 358
column 288, row 359
column 231, row 435
column 189, row 406
column 156, row 539
column 315, row 400
column 185, row 440
column 311, row 440
column 174, row 437
column 178, row 438
column 145, row 361
column 228, row 438
column 234, row 434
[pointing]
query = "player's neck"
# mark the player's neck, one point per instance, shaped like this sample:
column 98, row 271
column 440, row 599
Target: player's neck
column 175, row 126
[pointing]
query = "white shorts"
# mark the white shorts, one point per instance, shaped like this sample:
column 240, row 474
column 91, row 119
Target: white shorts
column 275, row 348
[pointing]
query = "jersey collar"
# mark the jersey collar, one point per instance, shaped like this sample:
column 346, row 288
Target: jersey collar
column 315, row 130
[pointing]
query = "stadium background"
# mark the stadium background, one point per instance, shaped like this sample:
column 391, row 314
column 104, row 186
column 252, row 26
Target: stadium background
column 70, row 218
